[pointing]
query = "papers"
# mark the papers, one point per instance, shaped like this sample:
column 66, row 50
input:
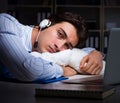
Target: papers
column 85, row 79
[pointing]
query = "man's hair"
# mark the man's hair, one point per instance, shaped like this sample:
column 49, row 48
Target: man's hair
column 76, row 20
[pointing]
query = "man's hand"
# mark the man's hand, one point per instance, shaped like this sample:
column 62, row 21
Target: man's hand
column 92, row 63
column 69, row 71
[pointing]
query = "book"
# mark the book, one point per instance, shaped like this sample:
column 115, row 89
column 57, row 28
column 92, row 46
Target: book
column 74, row 90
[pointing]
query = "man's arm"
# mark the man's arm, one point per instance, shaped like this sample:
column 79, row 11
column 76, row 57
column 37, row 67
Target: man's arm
column 69, row 71
column 73, row 58
column 21, row 64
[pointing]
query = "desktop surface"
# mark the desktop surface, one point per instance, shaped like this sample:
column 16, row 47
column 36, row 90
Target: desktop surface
column 25, row 93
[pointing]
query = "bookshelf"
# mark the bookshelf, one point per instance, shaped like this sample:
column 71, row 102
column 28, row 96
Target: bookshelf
column 91, row 11
column 100, row 15
column 111, row 18
column 30, row 12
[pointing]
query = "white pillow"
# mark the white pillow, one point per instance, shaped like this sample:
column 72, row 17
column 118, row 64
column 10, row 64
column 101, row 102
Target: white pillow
column 71, row 57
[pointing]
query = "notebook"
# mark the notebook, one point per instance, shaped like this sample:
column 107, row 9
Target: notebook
column 95, row 87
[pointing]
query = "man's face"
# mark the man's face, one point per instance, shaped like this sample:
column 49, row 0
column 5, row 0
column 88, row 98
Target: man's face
column 58, row 37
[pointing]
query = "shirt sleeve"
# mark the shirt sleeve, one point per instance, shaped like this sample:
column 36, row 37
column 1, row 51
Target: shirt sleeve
column 88, row 49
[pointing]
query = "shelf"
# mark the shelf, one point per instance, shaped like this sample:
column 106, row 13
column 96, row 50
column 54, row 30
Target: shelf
column 94, row 30
column 80, row 6
column 112, row 7
column 29, row 6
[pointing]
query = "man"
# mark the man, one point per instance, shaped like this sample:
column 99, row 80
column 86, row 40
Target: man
column 62, row 31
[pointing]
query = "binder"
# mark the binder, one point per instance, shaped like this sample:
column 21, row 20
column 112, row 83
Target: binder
column 74, row 91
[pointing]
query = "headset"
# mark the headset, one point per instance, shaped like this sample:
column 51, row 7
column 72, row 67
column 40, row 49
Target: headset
column 43, row 24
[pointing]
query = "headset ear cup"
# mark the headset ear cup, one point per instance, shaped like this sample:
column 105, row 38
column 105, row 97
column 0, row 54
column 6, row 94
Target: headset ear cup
column 44, row 23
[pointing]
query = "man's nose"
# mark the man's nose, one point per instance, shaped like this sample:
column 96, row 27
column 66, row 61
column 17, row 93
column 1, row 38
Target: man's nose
column 60, row 46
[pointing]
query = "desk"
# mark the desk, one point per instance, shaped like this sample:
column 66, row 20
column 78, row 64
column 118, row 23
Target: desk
column 25, row 93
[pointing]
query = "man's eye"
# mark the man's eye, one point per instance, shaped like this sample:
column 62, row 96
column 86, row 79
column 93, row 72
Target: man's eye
column 60, row 35
column 68, row 46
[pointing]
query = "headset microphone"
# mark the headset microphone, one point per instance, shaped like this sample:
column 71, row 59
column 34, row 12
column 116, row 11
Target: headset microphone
column 35, row 44
column 44, row 23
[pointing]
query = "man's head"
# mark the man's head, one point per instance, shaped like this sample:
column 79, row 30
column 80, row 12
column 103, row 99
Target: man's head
column 66, row 31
